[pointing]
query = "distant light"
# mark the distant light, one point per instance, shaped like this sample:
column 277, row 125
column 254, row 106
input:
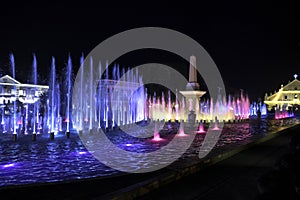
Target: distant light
column 128, row 145
column 295, row 75
column 82, row 152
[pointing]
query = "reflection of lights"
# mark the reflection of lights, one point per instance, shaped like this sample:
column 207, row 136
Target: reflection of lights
column 82, row 152
column 9, row 165
column 128, row 145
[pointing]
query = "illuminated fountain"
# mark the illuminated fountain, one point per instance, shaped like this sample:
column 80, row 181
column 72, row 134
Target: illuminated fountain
column 35, row 104
column 201, row 128
column 20, row 103
column 258, row 107
column 12, row 62
column 216, row 126
column 54, row 121
column 181, row 129
column 281, row 113
column 118, row 99
column 157, row 127
column 232, row 108
column 68, row 95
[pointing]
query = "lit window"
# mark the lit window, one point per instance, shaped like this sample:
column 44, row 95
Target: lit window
column 296, row 96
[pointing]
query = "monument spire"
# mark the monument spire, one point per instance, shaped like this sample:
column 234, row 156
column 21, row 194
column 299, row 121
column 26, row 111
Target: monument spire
column 193, row 84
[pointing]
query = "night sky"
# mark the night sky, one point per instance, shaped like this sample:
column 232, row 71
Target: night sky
column 255, row 46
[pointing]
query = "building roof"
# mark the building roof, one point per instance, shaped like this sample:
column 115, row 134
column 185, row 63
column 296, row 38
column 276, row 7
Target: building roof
column 288, row 94
column 294, row 85
column 9, row 81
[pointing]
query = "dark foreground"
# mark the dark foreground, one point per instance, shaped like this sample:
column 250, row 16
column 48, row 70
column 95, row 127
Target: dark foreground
column 269, row 170
column 261, row 172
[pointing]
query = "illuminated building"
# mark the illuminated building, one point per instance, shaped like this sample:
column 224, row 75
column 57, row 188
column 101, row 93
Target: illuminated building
column 287, row 96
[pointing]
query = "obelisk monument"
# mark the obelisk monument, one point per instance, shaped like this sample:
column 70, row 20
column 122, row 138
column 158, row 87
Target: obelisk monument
column 192, row 93
column 192, row 84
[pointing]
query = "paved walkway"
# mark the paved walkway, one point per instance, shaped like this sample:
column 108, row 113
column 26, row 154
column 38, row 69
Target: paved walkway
column 233, row 178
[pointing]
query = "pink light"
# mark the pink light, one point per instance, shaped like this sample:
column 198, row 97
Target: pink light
column 216, row 127
column 157, row 137
column 200, row 129
column 67, row 120
column 19, row 122
column 181, row 133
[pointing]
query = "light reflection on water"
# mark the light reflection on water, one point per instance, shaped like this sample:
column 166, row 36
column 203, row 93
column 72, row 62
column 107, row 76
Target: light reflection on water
column 25, row 161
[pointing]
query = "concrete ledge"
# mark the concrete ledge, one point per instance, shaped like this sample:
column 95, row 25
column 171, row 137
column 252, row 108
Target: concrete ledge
column 144, row 187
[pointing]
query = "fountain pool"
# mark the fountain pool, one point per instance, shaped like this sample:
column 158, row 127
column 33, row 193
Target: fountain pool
column 44, row 160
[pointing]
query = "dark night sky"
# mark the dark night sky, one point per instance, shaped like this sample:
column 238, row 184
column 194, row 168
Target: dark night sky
column 255, row 46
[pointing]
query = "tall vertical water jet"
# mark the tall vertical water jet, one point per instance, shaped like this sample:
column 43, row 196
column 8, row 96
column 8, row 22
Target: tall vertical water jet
column 69, row 72
column 12, row 62
column 176, row 106
column 58, row 119
column 81, row 94
column 91, row 94
column 99, row 94
column 52, row 95
column 169, row 106
column 2, row 110
column 35, row 109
